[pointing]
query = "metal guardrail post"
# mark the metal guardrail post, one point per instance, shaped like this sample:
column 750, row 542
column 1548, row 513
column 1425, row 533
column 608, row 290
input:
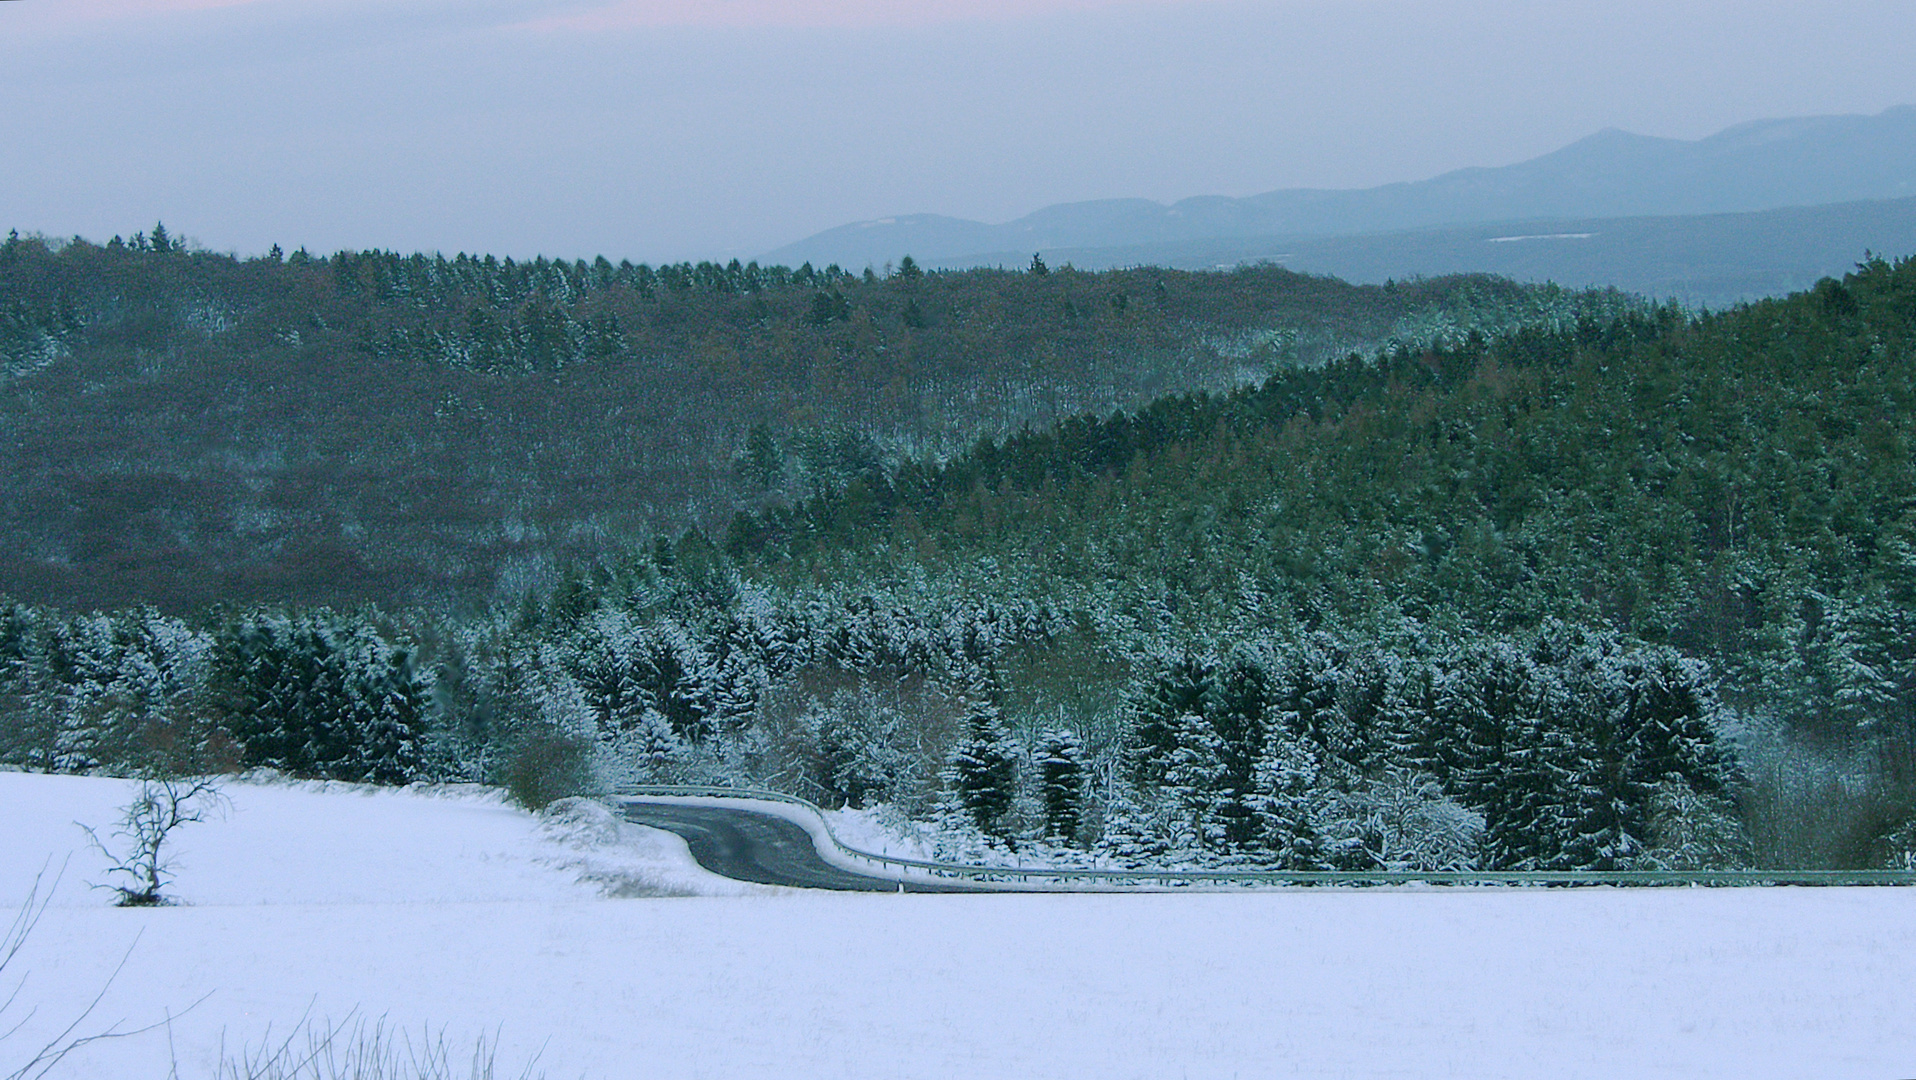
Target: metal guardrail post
column 1024, row 874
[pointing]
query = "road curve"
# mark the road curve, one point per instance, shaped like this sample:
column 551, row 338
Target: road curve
column 751, row 845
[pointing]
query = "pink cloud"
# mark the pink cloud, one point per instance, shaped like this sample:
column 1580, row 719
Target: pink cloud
column 621, row 14
column 114, row 9
column 86, row 16
column 591, row 15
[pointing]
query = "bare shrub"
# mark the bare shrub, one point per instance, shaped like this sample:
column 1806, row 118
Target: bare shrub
column 44, row 1057
column 545, row 766
column 1811, row 808
column 138, row 857
column 842, row 738
column 357, row 1049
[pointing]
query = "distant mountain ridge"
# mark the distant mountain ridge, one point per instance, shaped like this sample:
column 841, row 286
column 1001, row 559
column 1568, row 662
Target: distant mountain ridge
column 1709, row 260
column 1761, row 165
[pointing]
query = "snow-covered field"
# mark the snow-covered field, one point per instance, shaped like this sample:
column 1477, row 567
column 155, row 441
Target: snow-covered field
column 454, row 911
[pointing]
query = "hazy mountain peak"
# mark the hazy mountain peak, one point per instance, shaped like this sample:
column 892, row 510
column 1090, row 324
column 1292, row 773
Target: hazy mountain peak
column 1610, row 140
column 1759, row 165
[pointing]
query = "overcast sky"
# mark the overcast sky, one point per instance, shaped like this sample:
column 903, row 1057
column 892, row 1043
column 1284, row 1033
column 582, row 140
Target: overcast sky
column 670, row 129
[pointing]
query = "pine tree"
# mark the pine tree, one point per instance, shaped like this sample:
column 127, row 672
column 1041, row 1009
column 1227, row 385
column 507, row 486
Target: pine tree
column 22, row 740
column 1529, row 819
column 1286, row 805
column 83, row 656
column 762, row 462
column 1237, row 709
column 393, row 701
column 983, row 771
column 1060, row 762
column 1483, row 694
column 1192, row 790
column 605, row 658
column 1181, row 688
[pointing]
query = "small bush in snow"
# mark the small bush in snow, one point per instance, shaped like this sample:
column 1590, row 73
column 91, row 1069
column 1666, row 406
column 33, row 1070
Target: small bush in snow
column 545, row 766
column 1403, row 821
column 580, row 822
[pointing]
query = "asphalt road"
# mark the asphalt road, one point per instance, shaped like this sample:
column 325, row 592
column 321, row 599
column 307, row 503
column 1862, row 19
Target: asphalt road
column 752, row 846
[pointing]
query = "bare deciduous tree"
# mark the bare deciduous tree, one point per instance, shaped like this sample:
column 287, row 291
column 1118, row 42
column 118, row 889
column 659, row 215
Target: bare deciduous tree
column 163, row 805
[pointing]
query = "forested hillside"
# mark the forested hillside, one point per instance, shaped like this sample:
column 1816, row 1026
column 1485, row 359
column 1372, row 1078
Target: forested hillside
column 184, row 427
column 1626, row 590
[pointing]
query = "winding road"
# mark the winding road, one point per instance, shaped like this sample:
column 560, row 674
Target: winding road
column 732, row 838
column 750, row 845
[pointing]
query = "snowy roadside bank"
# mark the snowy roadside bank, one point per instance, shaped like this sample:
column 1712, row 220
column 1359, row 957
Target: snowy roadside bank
column 284, row 842
column 436, row 909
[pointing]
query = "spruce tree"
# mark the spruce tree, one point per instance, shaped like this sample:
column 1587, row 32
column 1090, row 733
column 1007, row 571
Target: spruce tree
column 1192, row 790
column 1286, row 805
column 1182, row 688
column 393, row 700
column 20, row 661
column 984, row 767
column 1061, row 783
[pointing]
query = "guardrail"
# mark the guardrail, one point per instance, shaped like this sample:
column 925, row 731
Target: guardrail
column 1120, row 877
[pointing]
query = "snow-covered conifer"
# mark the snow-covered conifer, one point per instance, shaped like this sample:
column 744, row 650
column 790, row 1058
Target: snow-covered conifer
column 1191, row 788
column 604, row 657
column 322, row 695
column 1178, row 689
column 983, row 770
column 1694, row 831
column 1060, row 761
column 23, row 736
column 1288, row 803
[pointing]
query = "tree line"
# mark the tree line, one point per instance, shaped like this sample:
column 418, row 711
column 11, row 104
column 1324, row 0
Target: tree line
column 1561, row 749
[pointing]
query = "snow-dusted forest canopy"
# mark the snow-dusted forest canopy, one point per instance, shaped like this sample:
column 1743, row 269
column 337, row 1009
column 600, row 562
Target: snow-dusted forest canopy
column 1545, row 580
column 187, row 428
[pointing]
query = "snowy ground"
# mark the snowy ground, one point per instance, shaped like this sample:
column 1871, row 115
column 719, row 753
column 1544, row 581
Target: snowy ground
column 874, row 831
column 455, row 911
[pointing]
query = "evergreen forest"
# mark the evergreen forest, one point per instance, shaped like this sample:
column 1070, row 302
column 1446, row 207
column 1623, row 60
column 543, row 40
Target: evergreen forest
column 188, row 428
column 1130, row 568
